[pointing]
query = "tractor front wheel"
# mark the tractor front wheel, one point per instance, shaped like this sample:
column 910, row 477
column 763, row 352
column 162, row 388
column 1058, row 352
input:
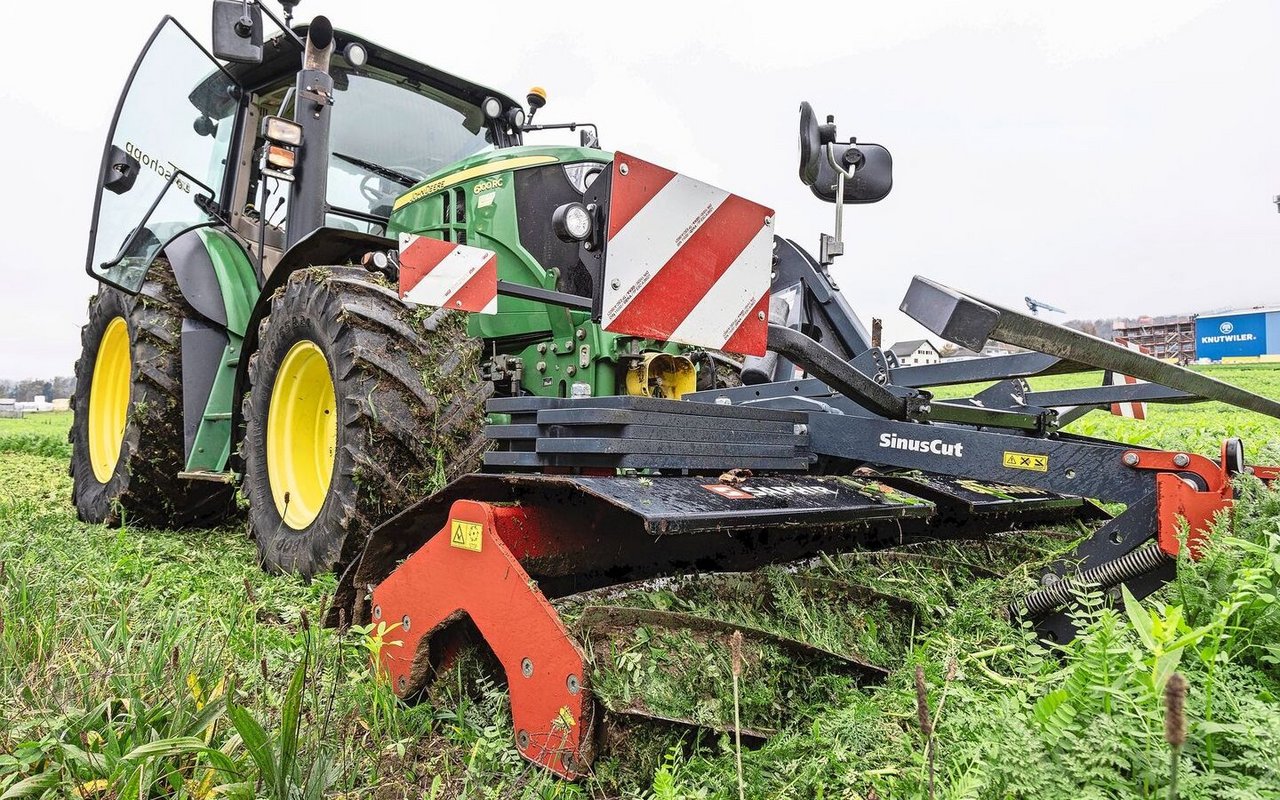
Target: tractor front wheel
column 358, row 405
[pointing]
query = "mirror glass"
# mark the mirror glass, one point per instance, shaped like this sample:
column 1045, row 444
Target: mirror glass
column 871, row 181
column 229, row 43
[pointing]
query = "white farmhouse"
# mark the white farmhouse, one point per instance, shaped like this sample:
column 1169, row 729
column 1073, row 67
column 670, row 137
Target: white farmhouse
column 915, row 352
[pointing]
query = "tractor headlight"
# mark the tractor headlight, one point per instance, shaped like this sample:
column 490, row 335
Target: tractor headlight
column 356, row 55
column 279, row 130
column 492, row 107
column 572, row 222
column 582, row 174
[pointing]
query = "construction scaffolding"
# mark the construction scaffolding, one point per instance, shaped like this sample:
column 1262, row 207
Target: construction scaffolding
column 1170, row 338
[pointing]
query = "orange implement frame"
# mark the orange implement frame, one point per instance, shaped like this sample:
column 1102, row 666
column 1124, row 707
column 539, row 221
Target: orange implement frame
column 1179, row 501
column 467, row 570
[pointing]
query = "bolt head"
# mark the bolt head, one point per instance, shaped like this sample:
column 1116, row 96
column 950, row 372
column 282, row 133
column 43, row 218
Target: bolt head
column 526, row 667
column 1131, row 459
column 571, row 683
column 615, row 284
column 377, row 612
column 1181, row 460
column 623, row 169
column 760, row 316
column 405, row 621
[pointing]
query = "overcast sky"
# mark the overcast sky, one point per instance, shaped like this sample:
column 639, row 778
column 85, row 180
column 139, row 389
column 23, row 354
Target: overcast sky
column 1108, row 158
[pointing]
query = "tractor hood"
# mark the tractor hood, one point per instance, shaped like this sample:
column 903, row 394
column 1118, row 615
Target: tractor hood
column 503, row 201
column 495, row 164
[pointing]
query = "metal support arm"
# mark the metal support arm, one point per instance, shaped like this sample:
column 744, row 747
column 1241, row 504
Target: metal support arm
column 817, row 360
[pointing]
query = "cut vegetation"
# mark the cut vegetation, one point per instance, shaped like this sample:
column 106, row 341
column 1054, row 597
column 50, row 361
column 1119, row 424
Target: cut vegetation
column 142, row 662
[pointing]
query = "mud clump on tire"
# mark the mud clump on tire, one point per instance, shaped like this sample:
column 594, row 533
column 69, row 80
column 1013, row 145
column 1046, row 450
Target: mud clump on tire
column 410, row 406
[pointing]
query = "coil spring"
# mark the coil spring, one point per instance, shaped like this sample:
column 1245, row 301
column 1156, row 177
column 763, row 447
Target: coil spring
column 1105, row 575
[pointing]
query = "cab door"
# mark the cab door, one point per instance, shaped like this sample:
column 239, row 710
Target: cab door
column 166, row 159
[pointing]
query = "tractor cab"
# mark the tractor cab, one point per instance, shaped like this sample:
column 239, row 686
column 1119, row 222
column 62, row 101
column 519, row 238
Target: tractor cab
column 190, row 149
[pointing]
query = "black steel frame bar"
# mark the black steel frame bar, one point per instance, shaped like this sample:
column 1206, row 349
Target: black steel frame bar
column 970, row 321
column 1055, row 465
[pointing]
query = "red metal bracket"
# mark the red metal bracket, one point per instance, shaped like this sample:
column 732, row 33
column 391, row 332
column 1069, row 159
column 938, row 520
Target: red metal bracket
column 1265, row 474
column 1178, row 498
column 468, row 570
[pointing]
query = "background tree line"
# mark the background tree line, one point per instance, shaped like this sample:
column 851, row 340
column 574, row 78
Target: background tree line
column 25, row 391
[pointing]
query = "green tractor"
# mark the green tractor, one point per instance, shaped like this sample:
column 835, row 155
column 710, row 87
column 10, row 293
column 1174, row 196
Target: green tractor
column 339, row 288
column 248, row 333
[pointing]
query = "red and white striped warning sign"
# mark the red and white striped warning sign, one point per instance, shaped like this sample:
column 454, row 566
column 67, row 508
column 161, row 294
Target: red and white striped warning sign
column 684, row 261
column 438, row 273
column 1129, row 410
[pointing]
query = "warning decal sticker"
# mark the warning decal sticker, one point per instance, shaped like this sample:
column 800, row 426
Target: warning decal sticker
column 1029, row 461
column 466, row 535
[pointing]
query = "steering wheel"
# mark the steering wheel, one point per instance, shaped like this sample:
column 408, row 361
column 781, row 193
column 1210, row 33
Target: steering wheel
column 377, row 189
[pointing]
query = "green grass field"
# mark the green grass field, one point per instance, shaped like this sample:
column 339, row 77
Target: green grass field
column 1199, row 427
column 152, row 663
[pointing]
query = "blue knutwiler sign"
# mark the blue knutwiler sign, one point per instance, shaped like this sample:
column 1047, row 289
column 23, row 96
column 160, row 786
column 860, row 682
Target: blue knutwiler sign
column 1236, row 335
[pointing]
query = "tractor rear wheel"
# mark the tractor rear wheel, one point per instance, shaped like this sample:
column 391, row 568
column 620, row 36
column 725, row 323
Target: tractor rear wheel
column 358, row 406
column 126, row 434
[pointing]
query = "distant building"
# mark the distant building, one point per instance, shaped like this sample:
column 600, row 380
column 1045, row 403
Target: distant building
column 1171, row 339
column 38, row 404
column 915, row 352
column 994, row 348
column 62, row 404
column 1242, row 336
column 959, row 353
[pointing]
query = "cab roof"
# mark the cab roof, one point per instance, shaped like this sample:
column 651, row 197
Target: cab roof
column 281, row 58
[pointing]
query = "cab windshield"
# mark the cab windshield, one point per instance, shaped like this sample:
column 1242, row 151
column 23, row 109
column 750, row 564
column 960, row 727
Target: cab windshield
column 387, row 133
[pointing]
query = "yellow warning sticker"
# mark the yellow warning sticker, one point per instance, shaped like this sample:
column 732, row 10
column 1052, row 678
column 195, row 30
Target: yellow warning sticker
column 1032, row 461
column 466, row 535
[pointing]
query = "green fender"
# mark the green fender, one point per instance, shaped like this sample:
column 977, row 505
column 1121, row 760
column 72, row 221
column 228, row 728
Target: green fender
column 218, row 280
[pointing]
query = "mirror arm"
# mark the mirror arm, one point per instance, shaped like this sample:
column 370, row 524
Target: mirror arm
column 832, row 246
column 279, row 24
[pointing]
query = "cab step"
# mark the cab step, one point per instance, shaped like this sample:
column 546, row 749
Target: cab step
column 208, row 475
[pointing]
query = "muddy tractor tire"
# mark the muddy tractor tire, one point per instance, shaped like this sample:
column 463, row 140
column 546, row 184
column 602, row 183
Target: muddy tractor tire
column 358, row 405
column 126, row 434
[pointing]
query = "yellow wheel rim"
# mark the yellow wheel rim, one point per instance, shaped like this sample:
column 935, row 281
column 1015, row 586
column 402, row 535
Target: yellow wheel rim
column 109, row 399
column 302, row 434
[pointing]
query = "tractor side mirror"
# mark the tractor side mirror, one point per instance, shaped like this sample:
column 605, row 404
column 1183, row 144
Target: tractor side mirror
column 820, row 155
column 237, row 31
column 872, row 176
column 122, row 171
